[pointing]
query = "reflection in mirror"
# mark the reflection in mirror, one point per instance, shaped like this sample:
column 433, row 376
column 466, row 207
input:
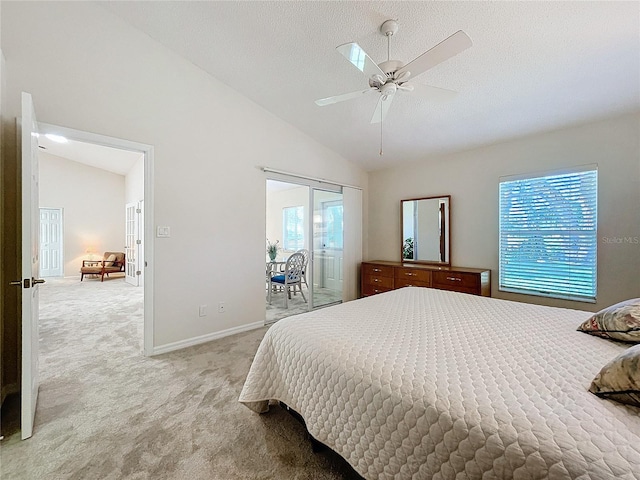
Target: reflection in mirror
column 425, row 230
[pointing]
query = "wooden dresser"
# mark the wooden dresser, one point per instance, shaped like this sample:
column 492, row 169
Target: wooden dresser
column 382, row 276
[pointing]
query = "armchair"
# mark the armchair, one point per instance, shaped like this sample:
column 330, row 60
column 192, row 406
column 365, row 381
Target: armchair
column 112, row 262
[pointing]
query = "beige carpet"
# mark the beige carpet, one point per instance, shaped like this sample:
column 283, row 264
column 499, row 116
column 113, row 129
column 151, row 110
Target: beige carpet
column 107, row 412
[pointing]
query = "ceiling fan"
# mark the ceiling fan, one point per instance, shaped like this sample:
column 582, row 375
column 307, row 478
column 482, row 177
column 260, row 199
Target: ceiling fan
column 389, row 77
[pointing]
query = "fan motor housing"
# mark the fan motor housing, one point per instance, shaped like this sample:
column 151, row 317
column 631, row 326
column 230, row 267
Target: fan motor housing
column 391, row 66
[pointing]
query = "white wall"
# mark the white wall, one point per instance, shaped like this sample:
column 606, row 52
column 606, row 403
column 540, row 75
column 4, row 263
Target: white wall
column 88, row 70
column 93, row 207
column 472, row 180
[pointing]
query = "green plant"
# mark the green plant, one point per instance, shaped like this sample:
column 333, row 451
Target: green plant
column 407, row 249
column 272, row 249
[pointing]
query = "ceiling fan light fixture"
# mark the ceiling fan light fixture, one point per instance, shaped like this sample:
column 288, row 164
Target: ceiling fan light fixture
column 388, row 89
column 402, row 77
column 379, row 79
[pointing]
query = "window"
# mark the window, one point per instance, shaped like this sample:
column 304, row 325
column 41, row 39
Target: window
column 293, row 228
column 548, row 237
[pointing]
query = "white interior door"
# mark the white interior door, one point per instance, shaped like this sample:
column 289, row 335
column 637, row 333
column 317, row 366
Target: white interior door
column 30, row 260
column 131, row 243
column 51, row 242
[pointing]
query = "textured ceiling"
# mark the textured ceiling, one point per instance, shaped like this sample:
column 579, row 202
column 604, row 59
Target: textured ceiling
column 533, row 66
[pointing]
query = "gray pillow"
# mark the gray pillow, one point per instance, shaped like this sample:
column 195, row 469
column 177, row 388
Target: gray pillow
column 617, row 322
column 619, row 380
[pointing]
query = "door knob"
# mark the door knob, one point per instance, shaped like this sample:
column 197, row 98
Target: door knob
column 35, row 281
column 16, row 283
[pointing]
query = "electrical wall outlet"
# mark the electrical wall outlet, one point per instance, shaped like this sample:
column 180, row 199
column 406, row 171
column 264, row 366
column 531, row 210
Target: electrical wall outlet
column 202, row 310
column 221, row 307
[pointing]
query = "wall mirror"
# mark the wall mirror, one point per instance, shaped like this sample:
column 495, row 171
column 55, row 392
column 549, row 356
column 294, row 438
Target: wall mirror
column 425, row 230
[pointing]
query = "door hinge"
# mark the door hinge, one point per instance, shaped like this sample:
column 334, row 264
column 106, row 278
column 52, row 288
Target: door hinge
column 139, row 242
column 138, row 210
column 138, row 272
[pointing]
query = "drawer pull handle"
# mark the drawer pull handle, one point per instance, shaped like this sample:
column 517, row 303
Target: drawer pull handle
column 376, row 279
column 409, row 285
column 377, row 270
column 409, row 274
column 376, row 291
column 454, row 279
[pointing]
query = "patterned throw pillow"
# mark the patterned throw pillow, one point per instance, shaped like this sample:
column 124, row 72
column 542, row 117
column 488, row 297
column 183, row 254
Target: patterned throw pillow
column 618, row 322
column 110, row 259
column 619, row 380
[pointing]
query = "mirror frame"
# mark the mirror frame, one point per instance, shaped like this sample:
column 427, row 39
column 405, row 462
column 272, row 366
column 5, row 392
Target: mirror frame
column 447, row 240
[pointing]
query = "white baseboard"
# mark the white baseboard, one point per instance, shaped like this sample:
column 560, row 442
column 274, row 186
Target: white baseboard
column 190, row 342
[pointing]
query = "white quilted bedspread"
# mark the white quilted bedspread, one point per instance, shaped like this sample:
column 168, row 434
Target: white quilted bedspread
column 420, row 383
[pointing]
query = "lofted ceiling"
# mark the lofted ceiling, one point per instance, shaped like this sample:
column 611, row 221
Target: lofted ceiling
column 114, row 160
column 533, row 66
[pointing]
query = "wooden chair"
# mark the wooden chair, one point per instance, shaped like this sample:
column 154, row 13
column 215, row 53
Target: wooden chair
column 291, row 278
column 112, row 262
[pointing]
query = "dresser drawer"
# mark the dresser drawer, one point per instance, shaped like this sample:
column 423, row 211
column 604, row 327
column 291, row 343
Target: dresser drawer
column 377, row 270
column 413, row 274
column 377, row 281
column 456, row 281
column 368, row 290
column 407, row 282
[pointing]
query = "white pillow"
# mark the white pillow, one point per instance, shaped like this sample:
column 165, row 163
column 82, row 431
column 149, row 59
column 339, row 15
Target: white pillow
column 110, row 259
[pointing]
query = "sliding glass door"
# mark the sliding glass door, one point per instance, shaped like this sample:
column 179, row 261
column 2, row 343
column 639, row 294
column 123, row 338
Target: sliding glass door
column 306, row 215
column 328, row 247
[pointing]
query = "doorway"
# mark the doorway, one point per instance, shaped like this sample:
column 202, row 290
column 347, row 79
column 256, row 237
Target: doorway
column 302, row 216
column 126, row 180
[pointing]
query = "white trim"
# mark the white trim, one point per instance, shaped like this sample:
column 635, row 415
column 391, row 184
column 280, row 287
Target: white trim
column 149, row 237
column 306, row 177
column 190, row 342
column 549, row 173
column 149, row 318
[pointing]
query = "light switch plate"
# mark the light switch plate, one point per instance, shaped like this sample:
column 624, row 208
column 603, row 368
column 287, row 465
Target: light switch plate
column 163, row 232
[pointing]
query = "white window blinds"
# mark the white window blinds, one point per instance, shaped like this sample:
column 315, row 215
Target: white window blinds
column 548, row 235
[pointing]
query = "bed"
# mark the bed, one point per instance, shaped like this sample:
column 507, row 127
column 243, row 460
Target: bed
column 419, row 383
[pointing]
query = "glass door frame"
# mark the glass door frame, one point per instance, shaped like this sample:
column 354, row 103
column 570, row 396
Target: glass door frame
column 337, row 190
column 312, row 185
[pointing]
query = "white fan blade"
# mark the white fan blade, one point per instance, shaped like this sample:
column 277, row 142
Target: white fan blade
column 345, row 96
column 382, row 108
column 446, row 49
column 431, row 93
column 359, row 58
